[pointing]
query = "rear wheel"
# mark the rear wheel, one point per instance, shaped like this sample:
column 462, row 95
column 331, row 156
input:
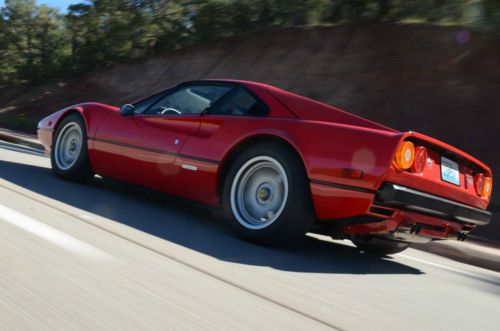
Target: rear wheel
column 69, row 154
column 379, row 246
column 266, row 197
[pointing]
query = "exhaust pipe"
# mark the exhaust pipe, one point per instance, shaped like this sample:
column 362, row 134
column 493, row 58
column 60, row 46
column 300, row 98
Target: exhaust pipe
column 415, row 229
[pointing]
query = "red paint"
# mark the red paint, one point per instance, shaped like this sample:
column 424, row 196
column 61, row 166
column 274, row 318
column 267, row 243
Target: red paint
column 333, row 202
column 143, row 149
column 145, row 157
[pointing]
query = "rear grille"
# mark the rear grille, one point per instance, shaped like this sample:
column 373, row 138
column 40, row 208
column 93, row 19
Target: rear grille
column 382, row 211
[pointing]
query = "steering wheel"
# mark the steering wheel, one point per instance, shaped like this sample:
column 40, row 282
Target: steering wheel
column 165, row 110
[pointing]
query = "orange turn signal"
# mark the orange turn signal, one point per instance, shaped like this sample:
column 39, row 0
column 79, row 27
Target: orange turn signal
column 405, row 156
column 487, row 186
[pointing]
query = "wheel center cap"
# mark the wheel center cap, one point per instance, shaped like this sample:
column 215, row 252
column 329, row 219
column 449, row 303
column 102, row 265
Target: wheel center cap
column 264, row 193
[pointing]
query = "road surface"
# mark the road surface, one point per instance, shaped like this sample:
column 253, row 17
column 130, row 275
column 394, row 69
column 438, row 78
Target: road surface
column 107, row 255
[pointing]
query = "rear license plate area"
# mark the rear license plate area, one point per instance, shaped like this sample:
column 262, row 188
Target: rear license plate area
column 450, row 171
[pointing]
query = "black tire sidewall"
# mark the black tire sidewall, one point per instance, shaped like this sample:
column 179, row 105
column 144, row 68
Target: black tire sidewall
column 296, row 217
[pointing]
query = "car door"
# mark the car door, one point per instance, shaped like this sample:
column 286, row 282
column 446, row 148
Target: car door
column 196, row 168
column 141, row 148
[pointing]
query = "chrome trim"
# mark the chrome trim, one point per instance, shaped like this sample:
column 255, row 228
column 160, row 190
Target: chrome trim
column 189, row 167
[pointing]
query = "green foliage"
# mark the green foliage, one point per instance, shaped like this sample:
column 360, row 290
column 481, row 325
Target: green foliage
column 38, row 44
column 33, row 41
column 491, row 10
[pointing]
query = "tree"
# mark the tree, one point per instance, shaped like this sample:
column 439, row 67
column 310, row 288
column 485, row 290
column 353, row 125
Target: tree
column 491, row 12
column 32, row 41
column 37, row 43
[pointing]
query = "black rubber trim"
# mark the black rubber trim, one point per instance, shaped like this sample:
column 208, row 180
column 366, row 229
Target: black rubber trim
column 382, row 211
column 195, row 158
column 342, row 186
column 152, row 150
column 410, row 199
column 159, row 151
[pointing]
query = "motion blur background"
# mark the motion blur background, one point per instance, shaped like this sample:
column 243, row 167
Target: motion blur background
column 431, row 66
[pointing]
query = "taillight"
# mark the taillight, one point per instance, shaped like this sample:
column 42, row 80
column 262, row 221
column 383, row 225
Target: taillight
column 405, row 155
column 479, row 183
column 487, row 186
column 483, row 185
column 420, row 159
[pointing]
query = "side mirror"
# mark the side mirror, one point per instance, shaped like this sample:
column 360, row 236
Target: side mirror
column 127, row 109
column 205, row 111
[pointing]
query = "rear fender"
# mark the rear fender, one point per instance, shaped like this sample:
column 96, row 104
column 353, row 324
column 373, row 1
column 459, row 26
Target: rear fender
column 346, row 155
column 329, row 151
column 346, row 165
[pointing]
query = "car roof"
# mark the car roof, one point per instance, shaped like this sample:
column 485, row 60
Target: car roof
column 234, row 81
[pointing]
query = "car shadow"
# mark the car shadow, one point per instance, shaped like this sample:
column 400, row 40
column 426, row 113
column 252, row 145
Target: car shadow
column 193, row 227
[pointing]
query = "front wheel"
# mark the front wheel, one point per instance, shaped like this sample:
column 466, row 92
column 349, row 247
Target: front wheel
column 266, row 196
column 69, row 154
column 379, row 246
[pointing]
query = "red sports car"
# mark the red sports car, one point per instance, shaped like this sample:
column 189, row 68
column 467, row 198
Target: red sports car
column 277, row 164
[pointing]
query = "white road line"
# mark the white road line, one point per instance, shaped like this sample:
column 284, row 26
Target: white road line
column 21, row 148
column 466, row 273
column 50, row 234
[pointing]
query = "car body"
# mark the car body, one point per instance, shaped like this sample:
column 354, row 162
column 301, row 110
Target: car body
column 356, row 186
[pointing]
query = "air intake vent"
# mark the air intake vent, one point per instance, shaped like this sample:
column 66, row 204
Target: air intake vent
column 382, row 211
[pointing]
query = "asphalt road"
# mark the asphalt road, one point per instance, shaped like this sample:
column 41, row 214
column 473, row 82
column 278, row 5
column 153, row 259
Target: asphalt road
column 107, row 255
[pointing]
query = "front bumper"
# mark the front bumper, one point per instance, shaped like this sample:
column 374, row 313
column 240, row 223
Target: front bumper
column 45, row 137
column 410, row 199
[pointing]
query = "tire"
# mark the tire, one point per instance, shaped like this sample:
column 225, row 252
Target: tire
column 69, row 153
column 380, row 246
column 266, row 197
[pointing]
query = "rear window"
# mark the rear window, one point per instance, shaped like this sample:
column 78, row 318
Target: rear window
column 241, row 103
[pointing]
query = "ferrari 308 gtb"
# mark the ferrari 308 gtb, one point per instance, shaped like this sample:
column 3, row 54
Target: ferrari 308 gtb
column 277, row 164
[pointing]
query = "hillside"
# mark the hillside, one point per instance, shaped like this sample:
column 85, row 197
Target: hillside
column 439, row 81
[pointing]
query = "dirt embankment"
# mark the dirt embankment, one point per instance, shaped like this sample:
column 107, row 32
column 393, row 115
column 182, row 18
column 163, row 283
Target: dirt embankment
column 444, row 82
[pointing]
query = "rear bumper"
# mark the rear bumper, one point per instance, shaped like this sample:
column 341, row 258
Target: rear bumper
column 413, row 200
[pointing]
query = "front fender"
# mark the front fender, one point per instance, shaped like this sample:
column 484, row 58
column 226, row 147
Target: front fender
column 92, row 113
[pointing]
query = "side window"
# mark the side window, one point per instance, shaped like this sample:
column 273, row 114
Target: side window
column 240, row 102
column 143, row 104
column 192, row 99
